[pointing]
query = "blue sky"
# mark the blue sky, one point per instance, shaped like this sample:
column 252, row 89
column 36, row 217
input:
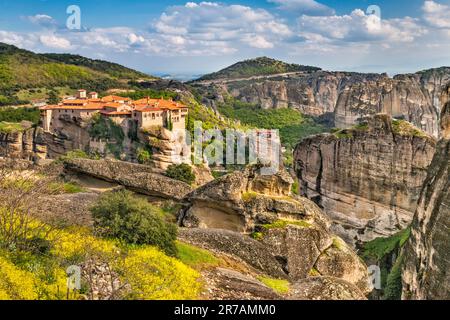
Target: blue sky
column 193, row 37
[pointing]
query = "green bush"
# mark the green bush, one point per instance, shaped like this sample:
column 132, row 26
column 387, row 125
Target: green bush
column 19, row 114
column 144, row 156
column 182, row 172
column 133, row 220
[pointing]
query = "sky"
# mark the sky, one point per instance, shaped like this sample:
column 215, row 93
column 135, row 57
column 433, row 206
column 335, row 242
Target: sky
column 197, row 37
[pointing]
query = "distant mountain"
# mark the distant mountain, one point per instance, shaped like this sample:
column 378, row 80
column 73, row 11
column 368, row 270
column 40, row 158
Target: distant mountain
column 257, row 67
column 22, row 69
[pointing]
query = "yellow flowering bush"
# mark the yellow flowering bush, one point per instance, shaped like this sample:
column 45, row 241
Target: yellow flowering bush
column 16, row 284
column 32, row 281
column 148, row 273
column 154, row 276
column 77, row 243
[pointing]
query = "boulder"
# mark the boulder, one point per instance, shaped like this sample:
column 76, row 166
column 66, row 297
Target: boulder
column 289, row 232
column 340, row 261
column 324, row 288
column 139, row 178
column 226, row 284
column 237, row 245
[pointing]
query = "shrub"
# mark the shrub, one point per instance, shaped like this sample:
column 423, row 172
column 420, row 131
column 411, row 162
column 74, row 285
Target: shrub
column 182, row 172
column 144, row 156
column 133, row 220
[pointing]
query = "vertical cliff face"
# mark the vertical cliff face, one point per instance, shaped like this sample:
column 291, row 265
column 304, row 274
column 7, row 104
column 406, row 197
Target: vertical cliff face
column 367, row 179
column 23, row 143
column 427, row 254
column 402, row 97
column 417, row 98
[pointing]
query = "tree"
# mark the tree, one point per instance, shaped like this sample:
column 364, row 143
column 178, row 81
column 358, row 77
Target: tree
column 53, row 97
column 182, row 172
column 133, row 220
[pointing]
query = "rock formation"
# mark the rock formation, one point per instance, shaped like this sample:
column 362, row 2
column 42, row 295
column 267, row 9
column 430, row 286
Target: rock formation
column 325, row 288
column 427, row 253
column 26, row 143
column 168, row 147
column 136, row 177
column 368, row 178
column 417, row 98
column 291, row 236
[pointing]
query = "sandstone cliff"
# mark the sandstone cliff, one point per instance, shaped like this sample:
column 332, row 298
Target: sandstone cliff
column 26, row 143
column 417, row 98
column 427, row 254
column 290, row 236
column 366, row 179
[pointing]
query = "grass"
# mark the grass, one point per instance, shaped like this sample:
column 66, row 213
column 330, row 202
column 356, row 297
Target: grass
column 66, row 187
column 257, row 235
column 380, row 247
column 279, row 286
column 404, row 128
column 249, row 196
column 284, row 223
column 195, row 257
column 338, row 244
column 314, row 273
column 10, row 127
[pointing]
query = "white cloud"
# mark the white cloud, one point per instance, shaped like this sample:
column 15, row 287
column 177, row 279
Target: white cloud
column 214, row 28
column 43, row 20
column 437, row 15
column 12, row 38
column 257, row 41
column 359, row 27
column 309, row 7
column 55, row 42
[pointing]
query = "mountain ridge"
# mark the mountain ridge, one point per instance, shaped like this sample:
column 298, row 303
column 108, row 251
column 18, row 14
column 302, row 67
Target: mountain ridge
column 257, row 67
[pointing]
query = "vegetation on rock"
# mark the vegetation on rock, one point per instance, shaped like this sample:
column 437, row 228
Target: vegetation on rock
column 279, row 286
column 386, row 253
column 123, row 216
column 182, row 172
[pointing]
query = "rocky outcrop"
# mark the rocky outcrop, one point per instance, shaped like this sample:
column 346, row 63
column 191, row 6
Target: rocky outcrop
column 417, row 98
column 403, row 97
column 26, row 143
column 226, row 284
column 136, row 177
column 366, row 179
column 291, row 236
column 427, row 253
column 237, row 245
column 168, row 147
column 325, row 288
column 71, row 136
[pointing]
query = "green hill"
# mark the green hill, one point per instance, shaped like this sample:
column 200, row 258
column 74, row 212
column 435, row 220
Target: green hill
column 112, row 69
column 24, row 70
column 257, row 67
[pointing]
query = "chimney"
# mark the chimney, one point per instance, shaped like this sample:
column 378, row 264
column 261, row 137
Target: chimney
column 93, row 95
column 81, row 94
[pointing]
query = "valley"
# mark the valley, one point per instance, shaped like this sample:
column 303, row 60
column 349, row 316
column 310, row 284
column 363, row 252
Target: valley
column 90, row 169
